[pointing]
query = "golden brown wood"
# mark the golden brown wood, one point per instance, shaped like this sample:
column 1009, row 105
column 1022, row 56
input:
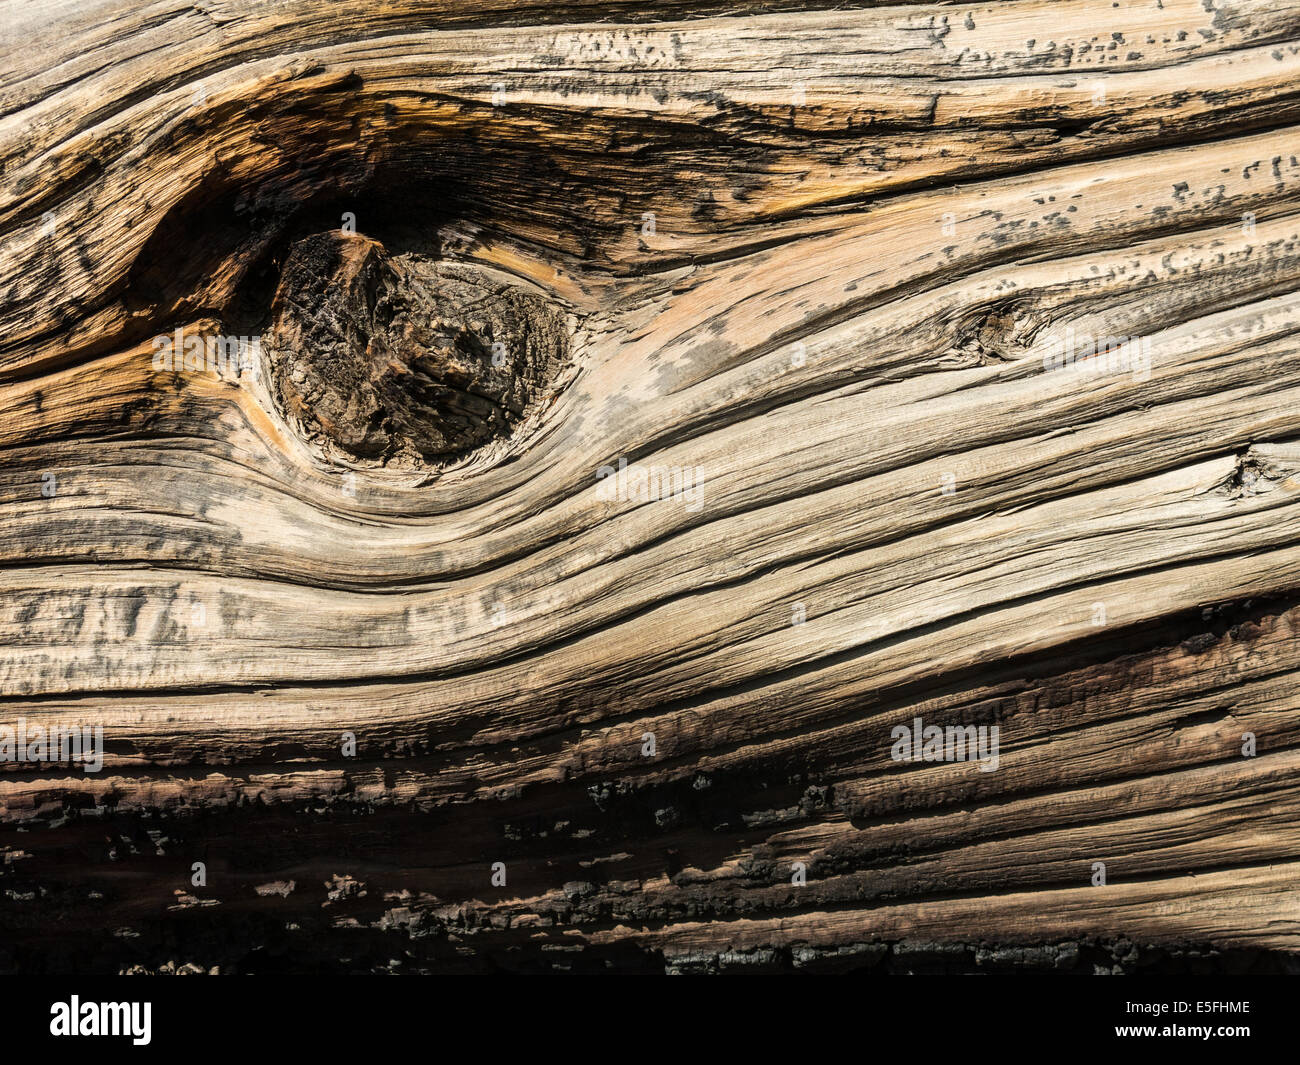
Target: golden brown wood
column 777, row 455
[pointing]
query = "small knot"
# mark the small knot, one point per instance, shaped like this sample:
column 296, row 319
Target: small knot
column 403, row 359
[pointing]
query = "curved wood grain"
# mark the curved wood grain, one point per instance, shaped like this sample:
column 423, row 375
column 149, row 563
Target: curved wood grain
column 814, row 267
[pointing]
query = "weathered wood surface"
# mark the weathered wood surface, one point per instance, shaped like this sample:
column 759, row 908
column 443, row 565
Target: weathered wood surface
column 813, row 263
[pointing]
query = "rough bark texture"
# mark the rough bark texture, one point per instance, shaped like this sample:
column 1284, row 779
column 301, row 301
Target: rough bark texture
column 643, row 412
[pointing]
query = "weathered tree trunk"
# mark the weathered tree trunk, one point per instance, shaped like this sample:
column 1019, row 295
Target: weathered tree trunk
column 644, row 416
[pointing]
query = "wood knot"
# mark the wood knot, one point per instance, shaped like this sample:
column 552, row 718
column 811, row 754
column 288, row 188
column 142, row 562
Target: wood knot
column 403, row 359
